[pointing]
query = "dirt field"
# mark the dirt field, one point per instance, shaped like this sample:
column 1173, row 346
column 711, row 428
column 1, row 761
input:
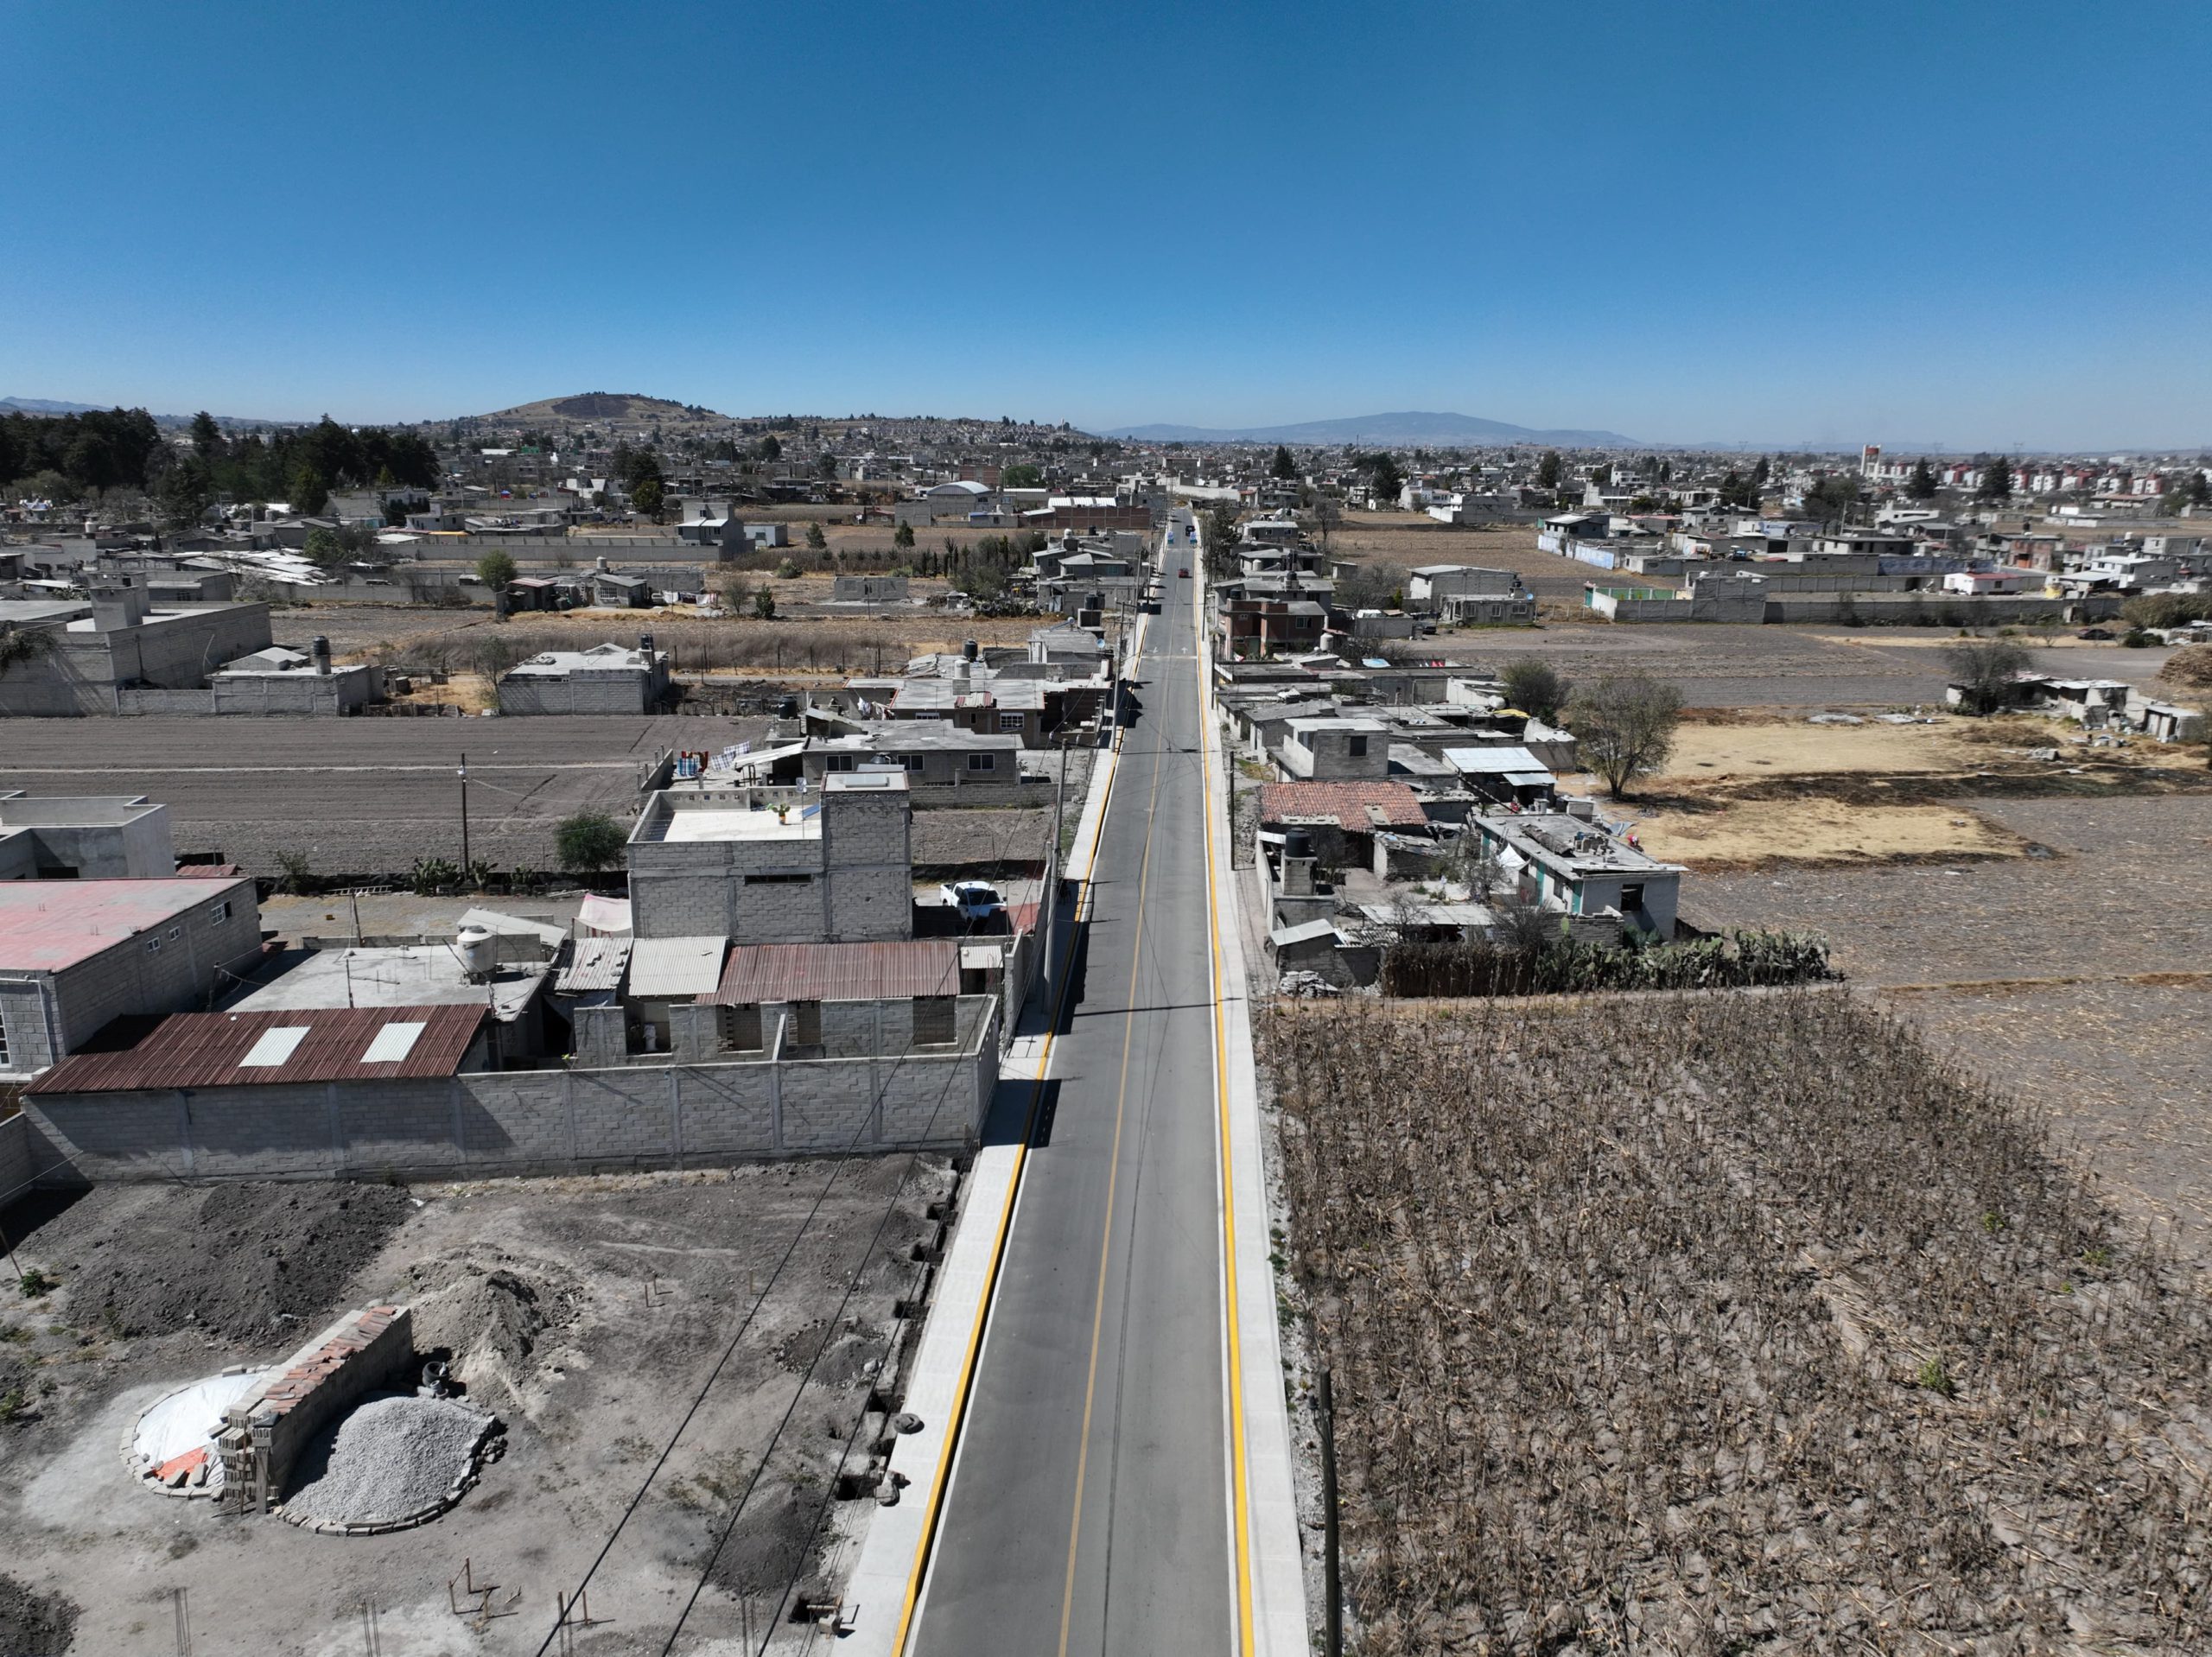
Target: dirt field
column 1629, row 1358
column 1747, row 791
column 589, row 1314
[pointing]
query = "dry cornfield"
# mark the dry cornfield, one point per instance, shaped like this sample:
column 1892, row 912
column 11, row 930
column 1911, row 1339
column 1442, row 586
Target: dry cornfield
column 1729, row 1323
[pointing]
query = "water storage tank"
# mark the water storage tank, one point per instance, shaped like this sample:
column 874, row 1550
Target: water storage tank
column 1296, row 843
column 479, row 948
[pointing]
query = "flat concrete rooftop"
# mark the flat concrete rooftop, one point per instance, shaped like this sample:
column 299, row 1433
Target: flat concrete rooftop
column 713, row 823
column 401, row 975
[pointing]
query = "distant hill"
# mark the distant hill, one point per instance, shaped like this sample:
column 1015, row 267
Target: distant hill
column 606, row 405
column 44, row 406
column 1445, row 430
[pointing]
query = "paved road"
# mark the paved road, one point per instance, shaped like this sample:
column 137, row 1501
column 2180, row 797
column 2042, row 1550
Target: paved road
column 1088, row 1507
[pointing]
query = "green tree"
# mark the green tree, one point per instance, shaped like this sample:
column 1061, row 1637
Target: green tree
column 1996, row 479
column 325, row 548
column 1986, row 672
column 764, row 605
column 207, row 445
column 1536, row 688
column 1285, row 467
column 186, row 494
column 1624, row 727
column 648, row 496
column 495, row 571
column 733, row 590
column 1922, row 484
column 1831, row 497
column 310, row 491
column 1383, row 478
column 825, row 467
column 769, row 447
column 903, row 537
column 588, row 841
column 1021, row 476
column 1217, row 540
column 1549, row 470
column 816, row 540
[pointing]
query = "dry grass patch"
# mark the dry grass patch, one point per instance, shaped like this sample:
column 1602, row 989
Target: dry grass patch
column 1760, row 834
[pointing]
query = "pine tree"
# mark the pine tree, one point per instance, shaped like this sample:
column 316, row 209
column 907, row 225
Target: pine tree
column 1922, row 484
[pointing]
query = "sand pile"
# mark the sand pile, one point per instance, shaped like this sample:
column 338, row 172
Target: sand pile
column 492, row 1316
column 395, row 1460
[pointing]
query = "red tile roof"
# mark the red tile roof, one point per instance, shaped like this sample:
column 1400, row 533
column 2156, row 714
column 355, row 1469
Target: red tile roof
column 48, row 925
column 208, row 1050
column 1358, row 806
column 838, row 972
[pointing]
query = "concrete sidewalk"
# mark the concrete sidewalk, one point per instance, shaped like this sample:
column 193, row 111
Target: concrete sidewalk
column 1278, row 1575
column 885, row 1585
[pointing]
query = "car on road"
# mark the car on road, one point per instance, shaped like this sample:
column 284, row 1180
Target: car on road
column 1184, row 573
column 976, row 900
column 2094, row 635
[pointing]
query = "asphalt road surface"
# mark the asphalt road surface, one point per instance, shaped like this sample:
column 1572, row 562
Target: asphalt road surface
column 1088, row 1507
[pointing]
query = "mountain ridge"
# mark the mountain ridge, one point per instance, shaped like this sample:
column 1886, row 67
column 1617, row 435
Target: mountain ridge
column 1401, row 426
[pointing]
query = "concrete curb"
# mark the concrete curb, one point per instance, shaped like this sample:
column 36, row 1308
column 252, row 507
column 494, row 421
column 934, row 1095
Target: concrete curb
column 891, row 1569
column 1279, row 1619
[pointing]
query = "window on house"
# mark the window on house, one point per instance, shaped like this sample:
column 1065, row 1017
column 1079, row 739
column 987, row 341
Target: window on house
column 153, row 946
column 983, row 762
column 219, row 913
column 777, row 880
column 934, row 1020
column 913, row 762
column 1631, row 898
column 173, row 931
column 841, row 762
column 1009, row 721
column 806, row 1024
column 4, row 1065
column 1355, row 746
column 741, row 1029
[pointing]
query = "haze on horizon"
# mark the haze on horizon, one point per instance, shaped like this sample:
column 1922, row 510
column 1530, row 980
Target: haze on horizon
column 1705, row 223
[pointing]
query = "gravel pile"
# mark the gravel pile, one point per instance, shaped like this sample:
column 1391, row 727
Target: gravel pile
column 247, row 1261
column 394, row 1458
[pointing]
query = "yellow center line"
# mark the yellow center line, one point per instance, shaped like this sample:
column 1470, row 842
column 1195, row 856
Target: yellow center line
column 940, row 1480
column 1112, row 1175
column 1239, row 1485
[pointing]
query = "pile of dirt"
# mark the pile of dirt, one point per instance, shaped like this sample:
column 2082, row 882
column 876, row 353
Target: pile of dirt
column 489, row 1316
column 2188, row 667
column 33, row 1624
column 264, row 1263
column 772, row 1543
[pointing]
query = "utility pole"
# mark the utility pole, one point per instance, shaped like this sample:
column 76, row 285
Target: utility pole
column 1333, row 1610
column 464, row 815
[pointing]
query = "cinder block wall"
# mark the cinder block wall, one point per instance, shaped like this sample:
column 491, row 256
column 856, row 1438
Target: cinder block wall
column 538, row 1121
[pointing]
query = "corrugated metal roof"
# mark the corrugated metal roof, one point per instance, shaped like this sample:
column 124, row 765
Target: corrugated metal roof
column 839, row 972
column 594, row 964
column 210, row 1050
column 670, row 968
column 48, row 925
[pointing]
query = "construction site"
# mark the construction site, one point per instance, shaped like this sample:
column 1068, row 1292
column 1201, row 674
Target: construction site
column 591, row 1414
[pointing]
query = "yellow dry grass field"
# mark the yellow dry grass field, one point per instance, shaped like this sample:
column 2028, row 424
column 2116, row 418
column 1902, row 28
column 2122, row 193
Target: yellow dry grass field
column 1744, row 792
column 1757, row 833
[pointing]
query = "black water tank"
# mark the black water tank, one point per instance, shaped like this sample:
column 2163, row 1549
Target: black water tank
column 968, row 651
column 1296, row 843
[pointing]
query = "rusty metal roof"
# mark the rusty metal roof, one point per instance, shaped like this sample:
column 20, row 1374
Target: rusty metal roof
column 212, row 1049
column 48, row 925
column 839, row 972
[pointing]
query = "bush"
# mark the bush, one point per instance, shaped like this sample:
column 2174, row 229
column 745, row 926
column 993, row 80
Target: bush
column 588, row 841
column 1536, row 688
column 1729, row 960
column 1987, row 672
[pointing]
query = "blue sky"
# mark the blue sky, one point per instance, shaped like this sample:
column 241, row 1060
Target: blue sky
column 1979, row 224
